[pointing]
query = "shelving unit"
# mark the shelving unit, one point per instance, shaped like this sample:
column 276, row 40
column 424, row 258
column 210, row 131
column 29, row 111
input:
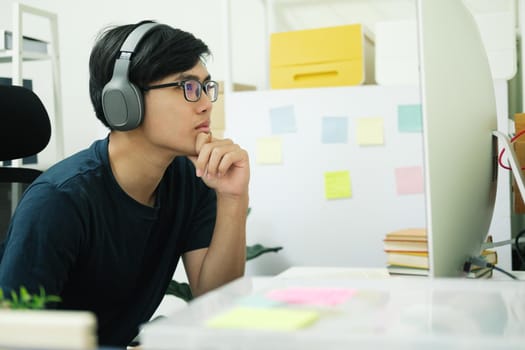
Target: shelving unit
column 17, row 57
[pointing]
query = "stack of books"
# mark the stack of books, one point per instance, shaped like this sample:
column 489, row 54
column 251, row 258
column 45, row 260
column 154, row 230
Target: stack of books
column 407, row 252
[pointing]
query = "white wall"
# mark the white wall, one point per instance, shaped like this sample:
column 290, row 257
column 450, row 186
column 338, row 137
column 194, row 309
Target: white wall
column 80, row 21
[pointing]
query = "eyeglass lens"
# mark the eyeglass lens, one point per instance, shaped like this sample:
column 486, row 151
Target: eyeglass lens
column 193, row 90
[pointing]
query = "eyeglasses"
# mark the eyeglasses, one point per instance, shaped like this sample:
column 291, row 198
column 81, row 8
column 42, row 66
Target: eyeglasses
column 192, row 89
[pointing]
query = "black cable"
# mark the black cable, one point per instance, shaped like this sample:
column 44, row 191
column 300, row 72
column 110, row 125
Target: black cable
column 504, row 272
column 520, row 253
column 481, row 262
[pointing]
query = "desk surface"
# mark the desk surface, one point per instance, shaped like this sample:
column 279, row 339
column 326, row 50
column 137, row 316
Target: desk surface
column 393, row 313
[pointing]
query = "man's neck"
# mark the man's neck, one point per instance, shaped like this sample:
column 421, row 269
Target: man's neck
column 135, row 169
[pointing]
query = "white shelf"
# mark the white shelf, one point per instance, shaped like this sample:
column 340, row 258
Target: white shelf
column 7, row 56
column 16, row 56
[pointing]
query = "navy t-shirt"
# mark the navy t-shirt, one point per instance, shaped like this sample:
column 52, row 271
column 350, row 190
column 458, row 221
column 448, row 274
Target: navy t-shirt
column 78, row 235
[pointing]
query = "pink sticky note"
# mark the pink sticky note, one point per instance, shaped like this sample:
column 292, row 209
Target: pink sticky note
column 409, row 180
column 312, row 296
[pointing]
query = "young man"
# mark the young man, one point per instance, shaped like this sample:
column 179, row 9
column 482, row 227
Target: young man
column 105, row 228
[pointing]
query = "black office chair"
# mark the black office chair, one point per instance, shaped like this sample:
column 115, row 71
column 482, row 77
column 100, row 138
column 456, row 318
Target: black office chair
column 25, row 130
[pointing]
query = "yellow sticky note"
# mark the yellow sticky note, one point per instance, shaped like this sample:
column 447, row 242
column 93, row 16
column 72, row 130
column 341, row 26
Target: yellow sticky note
column 269, row 150
column 337, row 184
column 280, row 319
column 370, row 131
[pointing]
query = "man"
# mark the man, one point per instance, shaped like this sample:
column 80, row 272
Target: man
column 105, row 228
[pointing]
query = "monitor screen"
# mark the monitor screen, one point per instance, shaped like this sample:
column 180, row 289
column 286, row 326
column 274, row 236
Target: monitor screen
column 459, row 116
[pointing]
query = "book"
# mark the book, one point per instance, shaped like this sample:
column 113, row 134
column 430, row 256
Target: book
column 28, row 44
column 406, row 240
column 410, row 235
column 484, row 272
column 408, row 259
column 406, row 271
column 490, row 256
column 405, row 246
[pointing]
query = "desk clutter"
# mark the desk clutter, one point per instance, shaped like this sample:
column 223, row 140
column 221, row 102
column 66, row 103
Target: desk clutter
column 407, row 254
column 316, row 313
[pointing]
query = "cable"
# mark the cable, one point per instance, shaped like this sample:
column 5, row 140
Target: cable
column 500, row 158
column 481, row 262
column 520, row 253
column 504, row 272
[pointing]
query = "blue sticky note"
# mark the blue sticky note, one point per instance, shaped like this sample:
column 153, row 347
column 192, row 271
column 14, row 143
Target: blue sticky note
column 283, row 120
column 258, row 301
column 409, row 118
column 335, row 130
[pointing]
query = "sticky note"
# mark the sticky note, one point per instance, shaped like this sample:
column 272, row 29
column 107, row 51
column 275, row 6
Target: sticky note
column 269, row 150
column 337, row 184
column 409, row 118
column 312, row 296
column 409, row 180
column 258, row 301
column 334, row 130
column 283, row 120
column 370, row 131
column 280, row 319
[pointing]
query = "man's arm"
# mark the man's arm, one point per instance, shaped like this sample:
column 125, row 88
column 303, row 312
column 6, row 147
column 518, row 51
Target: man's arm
column 224, row 260
column 223, row 166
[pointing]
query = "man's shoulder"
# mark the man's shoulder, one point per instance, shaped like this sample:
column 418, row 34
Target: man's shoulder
column 79, row 167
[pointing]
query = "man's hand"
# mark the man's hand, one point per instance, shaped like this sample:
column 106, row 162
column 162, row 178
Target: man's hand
column 222, row 165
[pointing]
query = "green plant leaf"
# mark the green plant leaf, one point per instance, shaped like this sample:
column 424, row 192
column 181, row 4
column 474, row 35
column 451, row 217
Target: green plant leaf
column 25, row 297
column 258, row 249
column 180, row 290
column 25, row 300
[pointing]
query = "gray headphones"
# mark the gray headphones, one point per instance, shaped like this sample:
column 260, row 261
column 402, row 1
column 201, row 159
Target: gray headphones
column 122, row 101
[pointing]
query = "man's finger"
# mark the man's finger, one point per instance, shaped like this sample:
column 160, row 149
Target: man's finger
column 202, row 139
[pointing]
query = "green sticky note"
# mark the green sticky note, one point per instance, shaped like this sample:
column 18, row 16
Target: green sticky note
column 370, row 131
column 280, row 319
column 409, row 118
column 337, row 184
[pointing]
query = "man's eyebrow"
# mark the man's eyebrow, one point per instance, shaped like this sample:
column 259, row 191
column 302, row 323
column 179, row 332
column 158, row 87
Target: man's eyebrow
column 194, row 77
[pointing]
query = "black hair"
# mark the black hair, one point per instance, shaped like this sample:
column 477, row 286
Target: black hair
column 163, row 51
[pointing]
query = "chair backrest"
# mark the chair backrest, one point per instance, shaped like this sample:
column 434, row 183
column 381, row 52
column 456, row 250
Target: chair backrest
column 25, row 130
column 24, row 123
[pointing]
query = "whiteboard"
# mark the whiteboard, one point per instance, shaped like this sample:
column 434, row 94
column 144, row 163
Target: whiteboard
column 288, row 203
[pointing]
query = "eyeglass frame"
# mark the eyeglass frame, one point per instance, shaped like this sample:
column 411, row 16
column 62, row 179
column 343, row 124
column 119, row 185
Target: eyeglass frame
column 182, row 84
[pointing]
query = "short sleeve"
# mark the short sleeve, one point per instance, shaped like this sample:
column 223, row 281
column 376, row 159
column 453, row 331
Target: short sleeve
column 43, row 241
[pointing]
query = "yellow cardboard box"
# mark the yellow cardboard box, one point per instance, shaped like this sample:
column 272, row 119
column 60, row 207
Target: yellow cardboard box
column 331, row 56
column 218, row 123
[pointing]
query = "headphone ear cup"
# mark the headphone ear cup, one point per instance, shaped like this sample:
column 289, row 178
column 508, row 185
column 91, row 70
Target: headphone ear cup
column 122, row 103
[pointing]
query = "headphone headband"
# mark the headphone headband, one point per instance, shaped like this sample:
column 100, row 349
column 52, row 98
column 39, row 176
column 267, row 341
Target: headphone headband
column 135, row 36
column 122, row 101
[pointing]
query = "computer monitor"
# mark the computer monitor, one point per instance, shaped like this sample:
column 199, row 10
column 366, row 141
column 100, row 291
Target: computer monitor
column 459, row 117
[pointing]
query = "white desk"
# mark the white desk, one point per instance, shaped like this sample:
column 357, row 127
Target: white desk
column 393, row 313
